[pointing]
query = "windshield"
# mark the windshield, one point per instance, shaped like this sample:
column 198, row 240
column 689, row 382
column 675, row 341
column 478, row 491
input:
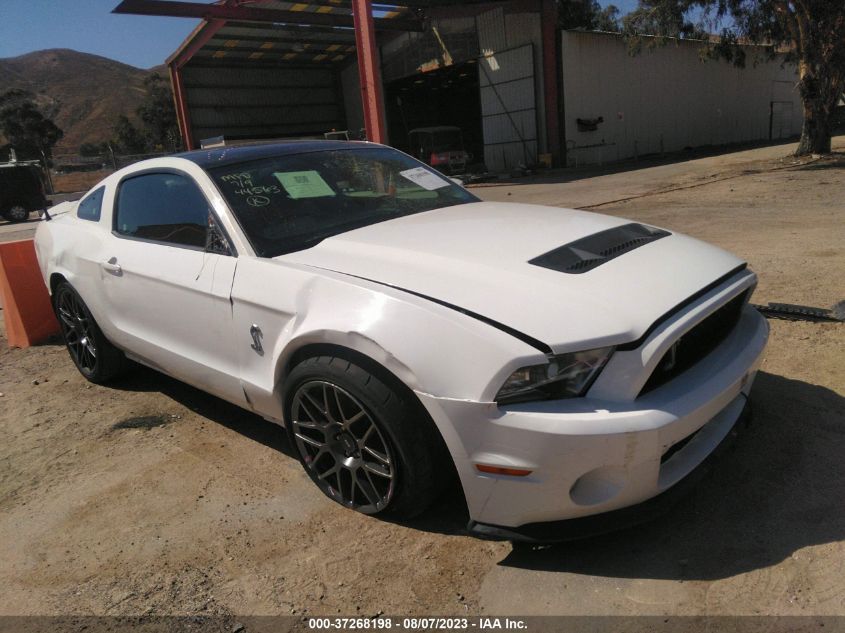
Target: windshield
column 289, row 203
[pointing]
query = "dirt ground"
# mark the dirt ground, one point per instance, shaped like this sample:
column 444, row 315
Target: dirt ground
column 150, row 497
column 78, row 181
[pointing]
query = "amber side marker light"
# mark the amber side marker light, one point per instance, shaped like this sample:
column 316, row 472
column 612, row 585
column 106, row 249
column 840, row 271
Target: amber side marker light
column 498, row 470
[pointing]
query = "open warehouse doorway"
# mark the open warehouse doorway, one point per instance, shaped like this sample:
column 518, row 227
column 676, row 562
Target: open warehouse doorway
column 447, row 96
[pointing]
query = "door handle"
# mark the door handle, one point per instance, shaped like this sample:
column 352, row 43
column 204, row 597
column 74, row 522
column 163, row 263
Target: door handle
column 112, row 266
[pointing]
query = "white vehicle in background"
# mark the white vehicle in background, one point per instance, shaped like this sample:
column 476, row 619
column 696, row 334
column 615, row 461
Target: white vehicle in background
column 566, row 363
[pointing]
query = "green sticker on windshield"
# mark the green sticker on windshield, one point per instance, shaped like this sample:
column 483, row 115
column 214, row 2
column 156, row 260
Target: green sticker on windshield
column 304, row 184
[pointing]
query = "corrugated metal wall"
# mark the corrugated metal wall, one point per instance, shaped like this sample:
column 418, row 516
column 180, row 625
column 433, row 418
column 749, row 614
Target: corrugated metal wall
column 351, row 88
column 509, row 114
column 667, row 99
column 243, row 102
column 514, row 42
column 497, row 32
column 492, row 36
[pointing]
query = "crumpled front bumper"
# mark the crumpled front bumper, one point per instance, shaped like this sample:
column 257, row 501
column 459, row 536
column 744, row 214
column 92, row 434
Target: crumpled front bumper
column 593, row 525
column 589, row 456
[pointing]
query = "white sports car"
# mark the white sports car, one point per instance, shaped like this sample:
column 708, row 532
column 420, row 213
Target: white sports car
column 565, row 363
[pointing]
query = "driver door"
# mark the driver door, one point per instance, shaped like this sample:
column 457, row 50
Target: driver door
column 166, row 291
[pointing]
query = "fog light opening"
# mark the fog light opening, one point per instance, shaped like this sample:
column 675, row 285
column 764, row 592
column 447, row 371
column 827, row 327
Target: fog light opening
column 597, row 486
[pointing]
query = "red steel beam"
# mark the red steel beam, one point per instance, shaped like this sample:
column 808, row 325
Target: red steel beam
column 199, row 38
column 551, row 78
column 372, row 98
column 174, row 8
column 182, row 115
column 196, row 40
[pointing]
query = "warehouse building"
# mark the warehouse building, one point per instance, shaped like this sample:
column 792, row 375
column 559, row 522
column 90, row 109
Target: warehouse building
column 667, row 99
column 521, row 91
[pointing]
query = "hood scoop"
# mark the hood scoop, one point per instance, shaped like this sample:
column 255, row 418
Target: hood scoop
column 592, row 251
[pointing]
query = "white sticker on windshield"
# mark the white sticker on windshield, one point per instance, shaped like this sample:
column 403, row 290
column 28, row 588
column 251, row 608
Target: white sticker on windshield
column 424, row 178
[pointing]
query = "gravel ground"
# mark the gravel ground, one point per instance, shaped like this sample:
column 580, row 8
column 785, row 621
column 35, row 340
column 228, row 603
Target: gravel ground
column 150, row 497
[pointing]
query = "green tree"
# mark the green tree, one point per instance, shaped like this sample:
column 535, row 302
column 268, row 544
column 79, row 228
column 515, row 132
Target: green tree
column 809, row 32
column 25, row 128
column 128, row 138
column 158, row 114
column 588, row 15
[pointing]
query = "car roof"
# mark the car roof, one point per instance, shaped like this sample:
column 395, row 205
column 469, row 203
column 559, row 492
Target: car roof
column 221, row 156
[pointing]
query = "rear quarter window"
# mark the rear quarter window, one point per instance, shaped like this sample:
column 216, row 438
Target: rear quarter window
column 91, row 206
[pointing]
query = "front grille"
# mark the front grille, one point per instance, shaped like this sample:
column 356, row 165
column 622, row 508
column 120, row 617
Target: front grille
column 696, row 344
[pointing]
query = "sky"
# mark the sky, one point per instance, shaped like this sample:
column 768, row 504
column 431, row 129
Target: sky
column 90, row 27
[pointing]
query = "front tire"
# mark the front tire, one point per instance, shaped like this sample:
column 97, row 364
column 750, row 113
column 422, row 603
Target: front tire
column 94, row 356
column 365, row 444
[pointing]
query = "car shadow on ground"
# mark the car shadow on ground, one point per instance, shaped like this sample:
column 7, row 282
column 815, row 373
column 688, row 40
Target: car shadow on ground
column 779, row 489
column 224, row 413
column 447, row 516
column 23, row 223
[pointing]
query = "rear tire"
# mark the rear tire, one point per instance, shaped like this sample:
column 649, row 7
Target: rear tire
column 367, row 445
column 94, row 356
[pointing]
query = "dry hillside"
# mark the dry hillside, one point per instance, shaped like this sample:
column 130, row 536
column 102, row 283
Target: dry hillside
column 82, row 93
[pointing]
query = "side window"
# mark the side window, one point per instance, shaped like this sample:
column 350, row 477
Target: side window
column 90, row 207
column 162, row 207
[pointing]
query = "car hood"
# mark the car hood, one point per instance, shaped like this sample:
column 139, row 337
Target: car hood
column 476, row 257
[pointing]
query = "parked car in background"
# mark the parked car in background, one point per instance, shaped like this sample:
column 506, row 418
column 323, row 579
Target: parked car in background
column 563, row 363
column 441, row 147
column 21, row 190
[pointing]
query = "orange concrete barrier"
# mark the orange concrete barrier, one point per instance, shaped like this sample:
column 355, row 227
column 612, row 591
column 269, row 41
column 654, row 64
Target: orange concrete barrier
column 27, row 311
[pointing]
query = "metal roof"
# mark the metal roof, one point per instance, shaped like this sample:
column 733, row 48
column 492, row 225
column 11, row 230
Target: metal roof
column 221, row 156
column 250, row 42
column 272, row 32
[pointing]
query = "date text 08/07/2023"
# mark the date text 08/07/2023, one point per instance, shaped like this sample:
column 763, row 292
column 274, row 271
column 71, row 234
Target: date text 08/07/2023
column 417, row 624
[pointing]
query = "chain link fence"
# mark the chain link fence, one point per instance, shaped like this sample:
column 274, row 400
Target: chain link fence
column 75, row 173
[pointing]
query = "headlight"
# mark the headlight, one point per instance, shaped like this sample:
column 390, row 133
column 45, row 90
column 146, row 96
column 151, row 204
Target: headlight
column 564, row 376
